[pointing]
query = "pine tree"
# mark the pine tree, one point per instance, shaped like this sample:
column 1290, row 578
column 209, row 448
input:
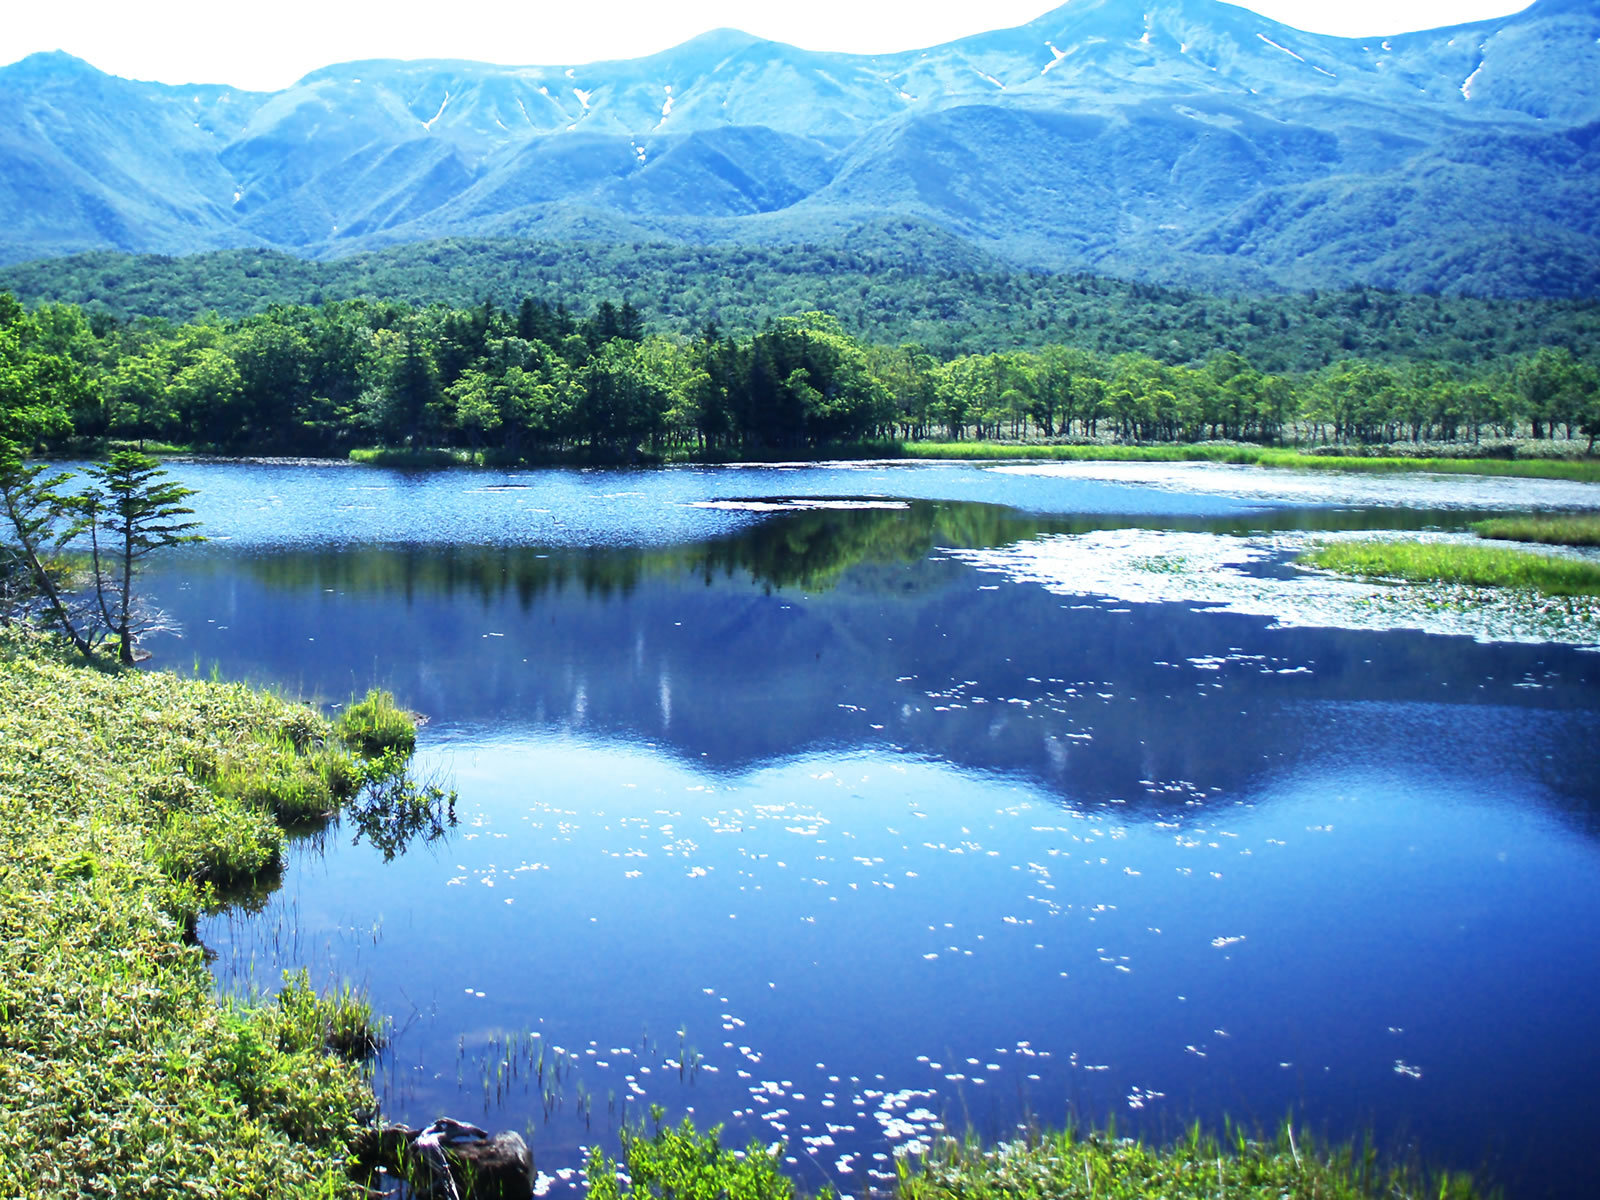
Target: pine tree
column 142, row 514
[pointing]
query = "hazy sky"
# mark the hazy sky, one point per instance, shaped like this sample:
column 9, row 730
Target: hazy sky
column 268, row 46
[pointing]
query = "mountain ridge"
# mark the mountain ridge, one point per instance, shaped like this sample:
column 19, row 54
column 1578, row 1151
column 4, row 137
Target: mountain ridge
column 1174, row 140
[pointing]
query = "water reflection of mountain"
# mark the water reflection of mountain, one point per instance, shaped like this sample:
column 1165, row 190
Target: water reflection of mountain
column 836, row 629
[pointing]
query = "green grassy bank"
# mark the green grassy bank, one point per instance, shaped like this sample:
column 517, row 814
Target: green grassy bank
column 1455, row 562
column 1579, row 469
column 124, row 797
column 681, row 1164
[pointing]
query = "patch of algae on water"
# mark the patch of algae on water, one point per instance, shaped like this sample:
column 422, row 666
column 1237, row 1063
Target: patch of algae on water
column 1218, row 573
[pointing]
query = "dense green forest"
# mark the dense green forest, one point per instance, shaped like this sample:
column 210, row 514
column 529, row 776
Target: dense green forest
column 944, row 296
column 536, row 381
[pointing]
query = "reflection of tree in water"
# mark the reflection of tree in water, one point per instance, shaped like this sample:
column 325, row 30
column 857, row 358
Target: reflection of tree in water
column 1150, row 707
column 808, row 549
column 393, row 810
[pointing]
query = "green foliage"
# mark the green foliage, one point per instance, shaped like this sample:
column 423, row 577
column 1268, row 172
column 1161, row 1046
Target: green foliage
column 382, row 456
column 109, row 1024
column 1580, row 470
column 945, row 302
column 376, row 725
column 37, row 517
column 1065, row 1165
column 681, row 1164
column 389, row 383
column 39, row 386
column 276, row 779
column 226, row 844
column 342, row 1023
column 1454, row 562
column 1554, row 529
column 341, row 774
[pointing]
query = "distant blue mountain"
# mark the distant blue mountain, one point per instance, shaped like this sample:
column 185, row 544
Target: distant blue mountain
column 1177, row 140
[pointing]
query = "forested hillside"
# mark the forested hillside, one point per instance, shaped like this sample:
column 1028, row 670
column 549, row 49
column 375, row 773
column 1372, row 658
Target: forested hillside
column 888, row 284
column 535, row 381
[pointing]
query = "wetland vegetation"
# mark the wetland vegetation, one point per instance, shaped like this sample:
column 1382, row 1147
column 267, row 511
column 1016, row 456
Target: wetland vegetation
column 1454, row 562
column 683, row 1164
column 1552, row 529
column 127, row 800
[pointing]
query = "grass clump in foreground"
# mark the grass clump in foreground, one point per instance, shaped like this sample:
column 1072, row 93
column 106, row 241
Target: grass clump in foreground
column 1453, row 562
column 1551, row 529
column 124, row 1072
column 680, row 1164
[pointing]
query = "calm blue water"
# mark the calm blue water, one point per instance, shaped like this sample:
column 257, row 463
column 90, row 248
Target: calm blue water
column 788, row 821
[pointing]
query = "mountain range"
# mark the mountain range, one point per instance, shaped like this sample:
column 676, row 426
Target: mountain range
column 1179, row 141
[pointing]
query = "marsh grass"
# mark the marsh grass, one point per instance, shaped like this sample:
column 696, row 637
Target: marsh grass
column 342, row 1023
column 1457, row 563
column 229, row 845
column 272, row 776
column 1067, row 1165
column 123, row 1071
column 682, row 1164
column 1581, row 470
column 376, row 725
column 1551, row 529
column 383, row 456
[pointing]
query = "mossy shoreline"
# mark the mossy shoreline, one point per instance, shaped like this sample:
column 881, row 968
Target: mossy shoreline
column 125, row 798
column 126, row 1073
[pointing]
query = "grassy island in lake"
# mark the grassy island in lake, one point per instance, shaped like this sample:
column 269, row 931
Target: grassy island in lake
column 1551, row 529
column 1455, row 562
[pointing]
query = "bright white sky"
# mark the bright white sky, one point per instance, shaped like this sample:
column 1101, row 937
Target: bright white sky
column 268, row 46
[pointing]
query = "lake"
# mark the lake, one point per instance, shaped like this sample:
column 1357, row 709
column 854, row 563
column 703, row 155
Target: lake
column 845, row 805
